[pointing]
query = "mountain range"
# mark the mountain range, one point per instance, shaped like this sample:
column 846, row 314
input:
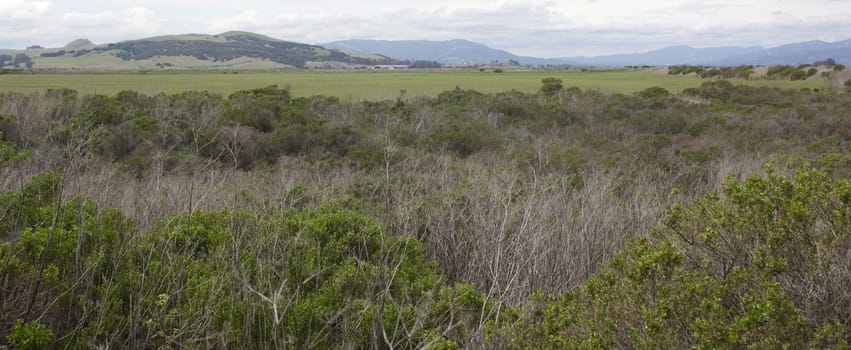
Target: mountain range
column 245, row 51
column 467, row 52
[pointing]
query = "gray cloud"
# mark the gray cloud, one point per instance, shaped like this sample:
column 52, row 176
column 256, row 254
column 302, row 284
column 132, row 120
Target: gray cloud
column 537, row 28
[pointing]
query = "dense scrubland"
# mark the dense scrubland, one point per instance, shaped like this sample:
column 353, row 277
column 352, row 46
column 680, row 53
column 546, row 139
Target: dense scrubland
column 719, row 217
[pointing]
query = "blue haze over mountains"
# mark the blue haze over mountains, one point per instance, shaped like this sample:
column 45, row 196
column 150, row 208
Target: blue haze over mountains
column 453, row 52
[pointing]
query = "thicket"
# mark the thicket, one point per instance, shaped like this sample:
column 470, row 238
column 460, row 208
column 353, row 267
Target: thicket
column 787, row 72
column 563, row 218
column 741, row 72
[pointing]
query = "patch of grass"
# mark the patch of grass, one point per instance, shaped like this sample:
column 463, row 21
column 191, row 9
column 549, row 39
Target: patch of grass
column 367, row 84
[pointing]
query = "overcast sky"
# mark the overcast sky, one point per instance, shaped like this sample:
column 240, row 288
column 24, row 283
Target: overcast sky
column 534, row 28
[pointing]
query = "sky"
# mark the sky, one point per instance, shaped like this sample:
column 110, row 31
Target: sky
column 523, row 27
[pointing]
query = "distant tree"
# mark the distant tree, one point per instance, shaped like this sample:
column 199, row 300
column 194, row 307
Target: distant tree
column 20, row 58
column 828, row 62
column 811, row 72
column 798, row 75
column 838, row 67
column 53, row 54
column 425, row 65
column 35, row 47
column 551, row 86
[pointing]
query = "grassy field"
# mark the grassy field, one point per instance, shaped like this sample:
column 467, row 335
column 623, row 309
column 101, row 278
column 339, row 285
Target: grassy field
column 365, row 85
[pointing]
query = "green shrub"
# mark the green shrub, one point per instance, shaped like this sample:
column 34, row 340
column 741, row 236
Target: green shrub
column 99, row 110
column 700, row 127
column 812, row 72
column 259, row 108
column 726, row 272
column 31, row 335
column 462, row 138
column 798, row 75
column 8, row 153
column 550, row 86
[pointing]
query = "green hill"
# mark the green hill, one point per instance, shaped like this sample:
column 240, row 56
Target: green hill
column 230, row 50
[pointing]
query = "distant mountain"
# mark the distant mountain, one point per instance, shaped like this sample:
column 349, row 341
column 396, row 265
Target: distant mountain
column 231, row 50
column 467, row 52
column 446, row 52
column 449, row 52
column 674, row 55
column 243, row 50
column 792, row 54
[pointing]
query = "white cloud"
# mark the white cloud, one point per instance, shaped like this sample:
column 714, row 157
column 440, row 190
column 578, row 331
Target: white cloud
column 540, row 28
column 15, row 10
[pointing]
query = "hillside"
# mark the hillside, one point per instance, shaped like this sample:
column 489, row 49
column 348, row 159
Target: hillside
column 230, row 50
column 449, row 52
column 446, row 52
column 797, row 53
column 244, row 50
column 467, row 52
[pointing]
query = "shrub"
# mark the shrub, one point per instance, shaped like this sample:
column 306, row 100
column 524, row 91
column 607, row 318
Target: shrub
column 550, row 86
column 654, row 97
column 798, row 75
column 103, row 110
column 726, row 272
column 462, row 138
column 31, row 335
column 811, row 72
column 8, row 153
column 258, row 108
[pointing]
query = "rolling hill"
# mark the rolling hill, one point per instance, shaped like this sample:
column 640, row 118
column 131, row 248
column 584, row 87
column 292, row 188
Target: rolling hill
column 466, row 52
column 449, row 52
column 230, row 50
column 246, row 51
column 446, row 52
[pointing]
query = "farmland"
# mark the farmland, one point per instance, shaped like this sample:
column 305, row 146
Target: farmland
column 372, row 85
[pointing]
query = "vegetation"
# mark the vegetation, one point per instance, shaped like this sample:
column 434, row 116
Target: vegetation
column 753, row 267
column 787, row 72
column 740, row 72
column 372, row 85
column 215, row 50
column 715, row 217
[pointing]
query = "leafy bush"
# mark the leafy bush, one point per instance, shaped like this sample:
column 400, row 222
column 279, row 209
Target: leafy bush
column 798, row 75
column 258, row 108
column 727, row 272
column 326, row 277
column 31, row 335
column 462, row 138
column 8, row 153
column 812, row 72
column 550, row 86
column 654, row 97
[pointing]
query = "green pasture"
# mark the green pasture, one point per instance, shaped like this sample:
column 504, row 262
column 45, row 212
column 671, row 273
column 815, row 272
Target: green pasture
column 369, row 85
